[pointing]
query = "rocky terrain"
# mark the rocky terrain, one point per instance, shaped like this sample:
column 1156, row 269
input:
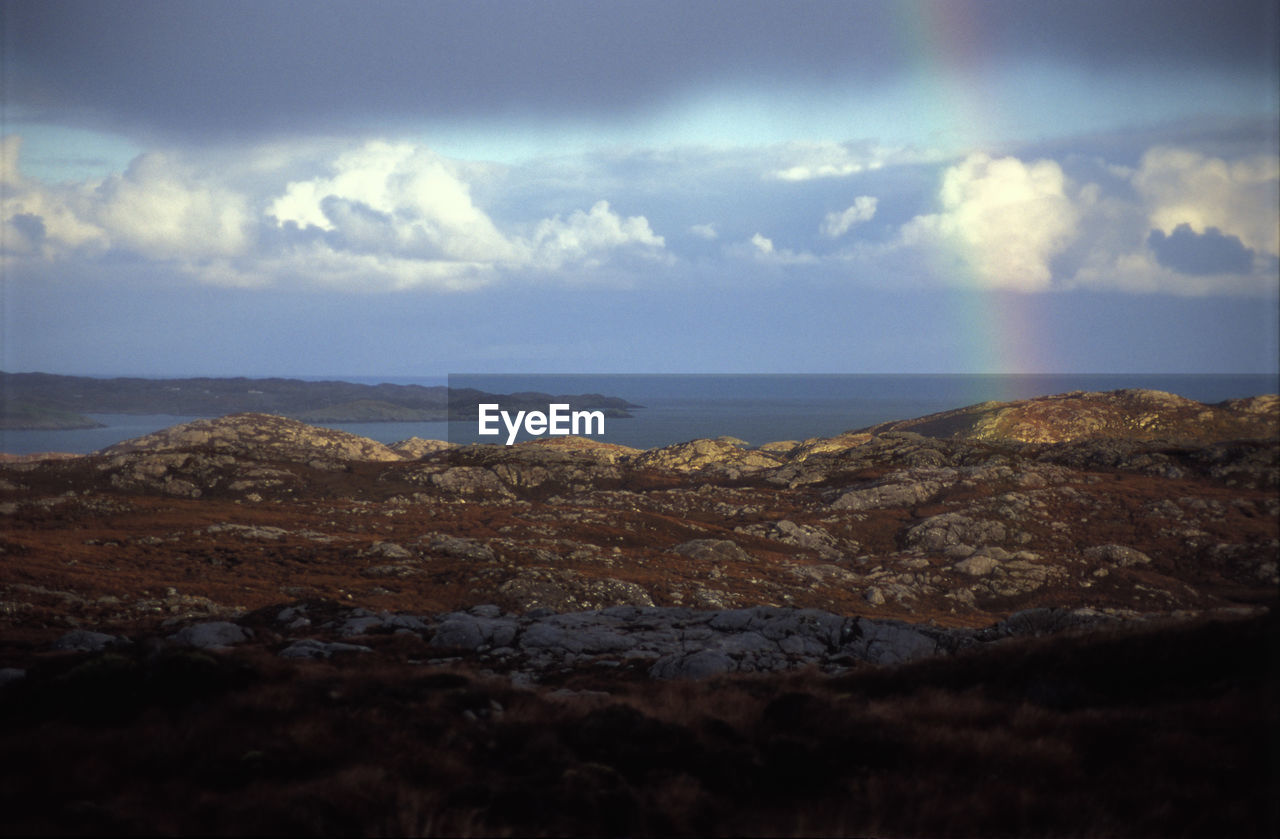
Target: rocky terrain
column 1122, row 414
column 699, row 603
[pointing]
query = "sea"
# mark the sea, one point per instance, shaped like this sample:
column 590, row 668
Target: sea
column 677, row 408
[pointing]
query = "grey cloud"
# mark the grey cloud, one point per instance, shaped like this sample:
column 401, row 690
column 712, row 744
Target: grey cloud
column 30, row 226
column 1200, row 254
column 231, row 68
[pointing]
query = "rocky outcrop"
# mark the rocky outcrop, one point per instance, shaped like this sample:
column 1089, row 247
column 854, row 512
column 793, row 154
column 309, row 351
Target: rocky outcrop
column 242, row 453
column 259, row 437
column 663, row 643
column 416, row 448
column 719, row 458
column 1133, row 414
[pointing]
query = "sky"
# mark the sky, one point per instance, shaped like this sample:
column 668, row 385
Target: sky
column 409, row 189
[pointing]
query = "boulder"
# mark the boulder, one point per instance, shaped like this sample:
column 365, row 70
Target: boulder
column 1120, row 555
column 712, row 550
column 83, row 640
column 312, row 648
column 212, row 635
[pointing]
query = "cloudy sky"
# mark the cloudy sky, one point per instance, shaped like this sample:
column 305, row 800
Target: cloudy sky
column 414, row 189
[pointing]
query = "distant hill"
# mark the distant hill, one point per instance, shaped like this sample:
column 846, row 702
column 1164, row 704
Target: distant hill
column 47, row 401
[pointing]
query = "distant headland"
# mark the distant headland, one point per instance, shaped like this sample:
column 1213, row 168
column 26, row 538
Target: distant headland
column 40, row 401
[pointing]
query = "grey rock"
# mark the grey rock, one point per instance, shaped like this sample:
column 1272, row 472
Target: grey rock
column 458, row 631
column 591, row 633
column 245, row 531
column 563, row 591
column 83, row 640
column 388, row 550
column 978, row 565
column 697, row 665
column 893, row 491
column 806, row 536
column 748, row 645
column 1118, row 555
column 611, row 591
column 212, row 635
column 312, row 648
column 409, row 622
column 471, row 480
column 940, row 532
column 802, row 645
column 890, row 642
column 362, row 625
column 721, row 550
column 469, row 631
column 733, row 620
column 395, row 569
column 460, row 547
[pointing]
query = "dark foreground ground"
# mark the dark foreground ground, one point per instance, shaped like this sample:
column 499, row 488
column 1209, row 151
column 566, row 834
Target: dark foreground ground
column 1155, row 731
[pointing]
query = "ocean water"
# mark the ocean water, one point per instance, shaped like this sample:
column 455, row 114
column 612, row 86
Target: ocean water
column 677, row 408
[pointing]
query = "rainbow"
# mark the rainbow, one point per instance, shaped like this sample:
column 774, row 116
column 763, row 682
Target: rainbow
column 1003, row 328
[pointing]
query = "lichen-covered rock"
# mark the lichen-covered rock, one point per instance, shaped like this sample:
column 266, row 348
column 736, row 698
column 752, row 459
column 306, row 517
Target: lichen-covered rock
column 1120, row 555
column 259, row 437
column 416, row 448
column 717, row 457
column 712, row 550
column 458, row 547
column 977, row 565
column 469, row 480
column 568, row 591
column 1133, row 414
column 947, row 530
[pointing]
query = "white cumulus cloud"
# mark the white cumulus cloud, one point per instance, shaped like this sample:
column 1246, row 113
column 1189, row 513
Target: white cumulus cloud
column 1202, row 202
column 418, row 205
column 586, row 236
column 377, row 216
column 1239, row 198
column 1004, row 218
column 159, row 208
column 760, row 249
column 164, row 210
column 863, row 209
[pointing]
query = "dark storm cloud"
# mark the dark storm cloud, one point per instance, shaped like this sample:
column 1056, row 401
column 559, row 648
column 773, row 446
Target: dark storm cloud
column 224, row 68
column 1200, row 254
